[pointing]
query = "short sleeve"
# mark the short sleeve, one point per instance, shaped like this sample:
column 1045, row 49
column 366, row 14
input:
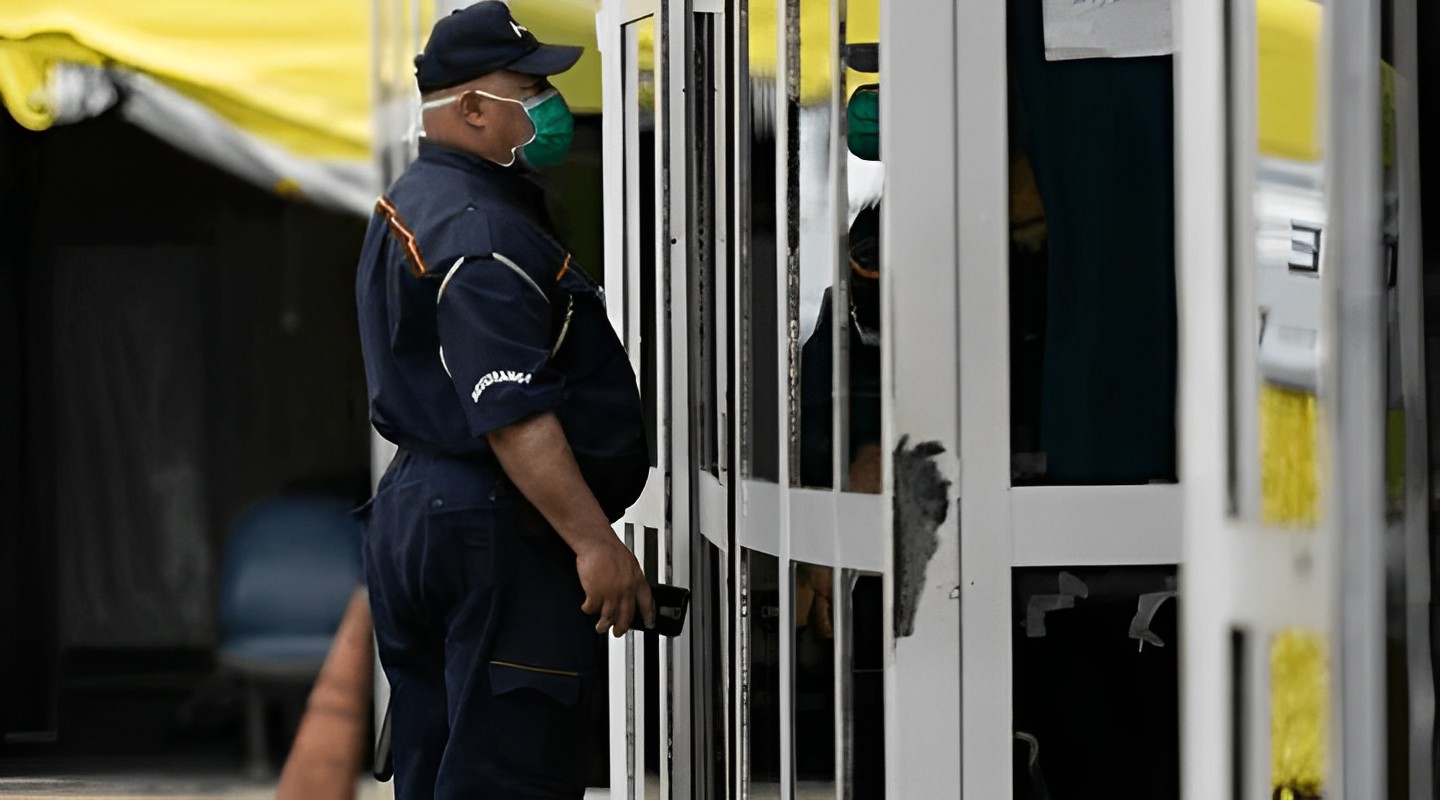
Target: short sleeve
column 496, row 332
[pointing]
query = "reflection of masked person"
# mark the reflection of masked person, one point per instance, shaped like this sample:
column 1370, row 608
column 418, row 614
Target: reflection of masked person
column 817, row 370
column 865, row 276
column 815, row 586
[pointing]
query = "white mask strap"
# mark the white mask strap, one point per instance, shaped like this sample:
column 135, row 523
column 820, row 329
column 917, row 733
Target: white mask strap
column 444, row 101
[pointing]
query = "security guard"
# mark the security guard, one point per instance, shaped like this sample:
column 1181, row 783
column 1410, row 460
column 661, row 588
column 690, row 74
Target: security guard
column 489, row 556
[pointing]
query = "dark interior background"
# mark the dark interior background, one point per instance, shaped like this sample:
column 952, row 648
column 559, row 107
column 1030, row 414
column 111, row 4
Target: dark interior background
column 175, row 345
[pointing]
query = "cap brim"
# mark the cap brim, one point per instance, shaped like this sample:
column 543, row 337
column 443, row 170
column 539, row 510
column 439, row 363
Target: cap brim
column 547, row 59
column 863, row 57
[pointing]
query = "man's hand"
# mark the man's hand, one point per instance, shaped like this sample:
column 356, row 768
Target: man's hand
column 537, row 457
column 614, row 584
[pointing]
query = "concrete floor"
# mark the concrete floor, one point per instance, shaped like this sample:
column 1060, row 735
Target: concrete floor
column 97, row 779
column 104, row 782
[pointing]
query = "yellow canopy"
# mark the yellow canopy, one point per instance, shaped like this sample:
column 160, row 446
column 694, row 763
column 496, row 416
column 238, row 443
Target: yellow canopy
column 1289, row 61
column 294, row 81
column 295, row 73
column 276, row 90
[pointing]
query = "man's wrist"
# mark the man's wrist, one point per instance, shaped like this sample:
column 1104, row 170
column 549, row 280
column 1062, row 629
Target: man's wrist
column 587, row 537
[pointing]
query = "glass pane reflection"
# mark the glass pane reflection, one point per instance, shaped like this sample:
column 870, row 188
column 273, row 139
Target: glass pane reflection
column 867, row 688
column 758, row 242
column 814, row 680
column 761, row 613
column 639, row 91
column 814, row 237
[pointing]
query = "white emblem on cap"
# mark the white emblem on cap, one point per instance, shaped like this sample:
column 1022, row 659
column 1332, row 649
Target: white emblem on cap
column 517, row 27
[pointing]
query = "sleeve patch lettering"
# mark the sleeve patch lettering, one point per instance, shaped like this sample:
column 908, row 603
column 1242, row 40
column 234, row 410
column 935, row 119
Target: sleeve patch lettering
column 498, row 376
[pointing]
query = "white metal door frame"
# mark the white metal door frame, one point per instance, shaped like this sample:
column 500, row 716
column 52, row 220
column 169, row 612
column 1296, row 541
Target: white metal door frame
column 1249, row 581
column 1356, row 298
column 933, row 46
column 961, row 295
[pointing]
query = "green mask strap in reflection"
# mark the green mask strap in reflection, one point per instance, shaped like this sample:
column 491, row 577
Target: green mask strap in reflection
column 863, row 116
column 554, row 130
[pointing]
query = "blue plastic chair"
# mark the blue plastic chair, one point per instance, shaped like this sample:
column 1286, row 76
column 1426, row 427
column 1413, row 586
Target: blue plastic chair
column 289, row 568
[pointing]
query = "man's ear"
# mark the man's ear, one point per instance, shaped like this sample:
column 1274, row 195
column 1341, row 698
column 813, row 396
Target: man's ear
column 473, row 108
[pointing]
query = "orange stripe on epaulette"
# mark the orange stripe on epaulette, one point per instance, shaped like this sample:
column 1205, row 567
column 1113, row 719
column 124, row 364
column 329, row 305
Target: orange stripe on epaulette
column 564, row 268
column 403, row 236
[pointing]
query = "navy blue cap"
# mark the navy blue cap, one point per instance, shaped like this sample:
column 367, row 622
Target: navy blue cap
column 482, row 38
column 863, row 56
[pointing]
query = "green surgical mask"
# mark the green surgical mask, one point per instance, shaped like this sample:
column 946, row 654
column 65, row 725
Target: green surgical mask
column 863, row 118
column 554, row 130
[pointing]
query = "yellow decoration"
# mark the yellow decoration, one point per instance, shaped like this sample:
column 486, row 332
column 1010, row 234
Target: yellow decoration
column 1289, row 473
column 1299, row 699
column 1289, row 52
column 1289, row 66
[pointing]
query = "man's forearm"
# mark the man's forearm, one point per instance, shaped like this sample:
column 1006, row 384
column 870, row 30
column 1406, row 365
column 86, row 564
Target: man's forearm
column 537, row 458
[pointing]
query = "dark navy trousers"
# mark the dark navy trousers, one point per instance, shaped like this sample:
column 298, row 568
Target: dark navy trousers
column 476, row 607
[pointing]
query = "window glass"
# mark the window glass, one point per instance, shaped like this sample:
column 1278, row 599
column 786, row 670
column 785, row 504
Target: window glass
column 1093, row 332
column 759, row 324
column 642, row 227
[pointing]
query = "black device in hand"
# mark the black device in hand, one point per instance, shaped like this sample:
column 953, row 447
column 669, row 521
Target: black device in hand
column 671, row 604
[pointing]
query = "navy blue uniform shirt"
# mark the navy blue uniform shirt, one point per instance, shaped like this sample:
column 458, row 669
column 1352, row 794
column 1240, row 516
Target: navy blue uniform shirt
column 474, row 316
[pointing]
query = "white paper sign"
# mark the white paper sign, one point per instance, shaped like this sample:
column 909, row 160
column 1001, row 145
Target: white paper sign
column 1106, row 29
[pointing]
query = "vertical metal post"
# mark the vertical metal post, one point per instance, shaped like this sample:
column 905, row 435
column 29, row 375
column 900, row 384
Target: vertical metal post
column 1238, row 58
column 923, row 44
column 741, row 277
column 843, row 609
column 986, row 530
column 617, row 145
column 1355, row 296
column 787, row 277
column 1202, row 257
column 631, row 260
column 614, row 61
column 663, row 348
column 840, row 294
column 719, row 136
column 738, row 456
column 677, row 49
